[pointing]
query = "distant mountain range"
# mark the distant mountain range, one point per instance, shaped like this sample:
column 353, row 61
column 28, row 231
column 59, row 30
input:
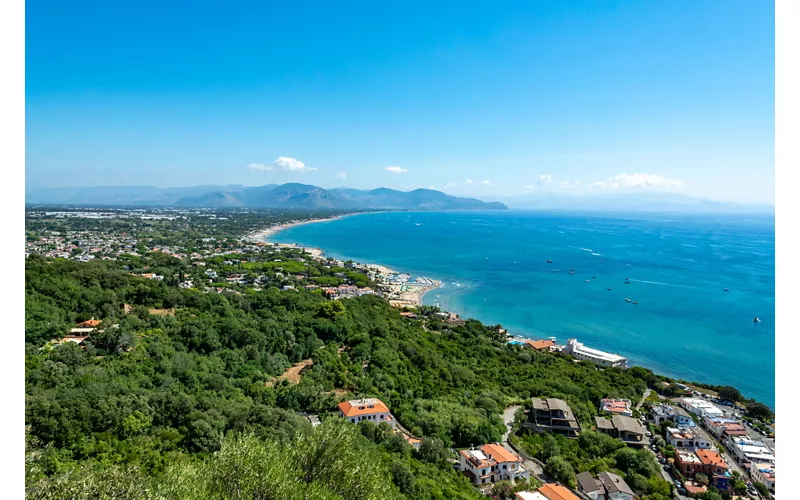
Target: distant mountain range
column 630, row 202
column 286, row 196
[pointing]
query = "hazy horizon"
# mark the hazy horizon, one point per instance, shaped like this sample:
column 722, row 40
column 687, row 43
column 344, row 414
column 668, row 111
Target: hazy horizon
column 575, row 97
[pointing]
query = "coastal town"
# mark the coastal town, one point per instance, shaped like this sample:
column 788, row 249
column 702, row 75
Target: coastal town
column 699, row 439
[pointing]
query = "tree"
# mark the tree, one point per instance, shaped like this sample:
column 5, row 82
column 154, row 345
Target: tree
column 759, row 411
column 762, row 489
column 432, row 450
column 638, row 482
column 701, row 479
column 560, row 470
column 730, row 393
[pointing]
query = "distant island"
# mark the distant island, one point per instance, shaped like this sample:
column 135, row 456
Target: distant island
column 285, row 196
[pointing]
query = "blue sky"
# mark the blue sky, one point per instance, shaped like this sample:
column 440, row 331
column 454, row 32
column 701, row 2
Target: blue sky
column 483, row 99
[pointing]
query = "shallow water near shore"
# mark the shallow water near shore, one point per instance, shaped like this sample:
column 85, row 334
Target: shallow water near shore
column 493, row 266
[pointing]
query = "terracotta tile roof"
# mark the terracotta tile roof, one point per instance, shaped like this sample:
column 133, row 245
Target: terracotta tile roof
column 555, row 491
column 358, row 407
column 90, row 323
column 540, row 344
column 709, row 457
column 499, row 453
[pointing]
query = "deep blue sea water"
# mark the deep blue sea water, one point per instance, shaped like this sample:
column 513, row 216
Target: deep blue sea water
column 494, row 268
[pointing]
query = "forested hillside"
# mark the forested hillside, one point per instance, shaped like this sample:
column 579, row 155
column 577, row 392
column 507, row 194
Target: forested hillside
column 160, row 391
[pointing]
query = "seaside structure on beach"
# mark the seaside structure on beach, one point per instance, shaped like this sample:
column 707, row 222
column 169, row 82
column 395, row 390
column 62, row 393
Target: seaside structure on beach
column 616, row 406
column 491, row 463
column 580, row 352
column 553, row 415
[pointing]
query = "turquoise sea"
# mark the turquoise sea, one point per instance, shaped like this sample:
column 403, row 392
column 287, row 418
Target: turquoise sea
column 494, row 268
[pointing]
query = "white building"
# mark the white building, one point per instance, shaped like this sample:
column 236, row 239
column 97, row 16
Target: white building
column 370, row 409
column 660, row 413
column 492, row 463
column 701, row 407
column 579, row 351
column 764, row 473
column 687, row 438
column 748, row 450
column 616, row 406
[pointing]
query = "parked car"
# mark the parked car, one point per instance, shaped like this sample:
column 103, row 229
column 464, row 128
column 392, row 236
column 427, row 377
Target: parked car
column 666, row 467
column 648, row 434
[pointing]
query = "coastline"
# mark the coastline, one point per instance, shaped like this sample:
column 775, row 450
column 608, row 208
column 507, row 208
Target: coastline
column 408, row 297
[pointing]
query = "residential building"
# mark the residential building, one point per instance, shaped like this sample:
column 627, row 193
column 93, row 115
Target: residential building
column 548, row 491
column 661, row 412
column 701, row 407
column 553, row 415
column 540, row 345
column 591, row 487
column 722, row 427
column 687, row 462
column 491, row 463
column 616, row 488
column 715, row 467
column 627, row 429
column 616, row 406
column 687, row 438
column 749, row 451
column 370, row 409
column 580, row 352
column 763, row 472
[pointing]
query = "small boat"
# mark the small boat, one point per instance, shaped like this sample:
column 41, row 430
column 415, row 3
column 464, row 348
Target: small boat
column 586, row 281
column 487, row 258
column 549, row 261
column 725, row 290
column 571, row 268
column 627, row 299
column 572, row 272
column 756, row 320
column 594, row 277
column 635, row 302
column 601, row 261
column 609, row 289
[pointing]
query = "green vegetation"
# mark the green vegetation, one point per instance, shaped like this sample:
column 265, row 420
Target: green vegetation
column 595, row 452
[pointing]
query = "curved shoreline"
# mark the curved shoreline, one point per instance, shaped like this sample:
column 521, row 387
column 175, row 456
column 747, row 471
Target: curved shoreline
column 412, row 298
column 318, row 252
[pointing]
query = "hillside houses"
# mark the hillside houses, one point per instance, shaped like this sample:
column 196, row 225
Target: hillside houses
column 491, row 463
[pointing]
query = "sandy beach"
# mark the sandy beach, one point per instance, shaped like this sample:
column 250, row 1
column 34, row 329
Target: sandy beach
column 411, row 297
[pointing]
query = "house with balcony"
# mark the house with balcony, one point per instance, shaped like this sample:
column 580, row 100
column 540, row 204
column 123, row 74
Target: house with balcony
column 627, row 429
column 369, row 409
column 687, row 462
column 582, row 353
column 764, row 473
column 660, row 413
column 687, row 438
column 491, row 463
column 616, row 406
column 553, row 415
column 715, row 467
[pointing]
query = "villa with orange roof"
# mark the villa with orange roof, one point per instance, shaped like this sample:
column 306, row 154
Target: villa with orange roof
column 540, row 345
column 616, row 406
column 491, row 463
column 715, row 467
column 369, row 409
column 548, row 491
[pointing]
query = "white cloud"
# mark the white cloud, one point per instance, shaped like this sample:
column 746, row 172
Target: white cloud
column 396, row 170
column 450, row 184
column 545, row 179
column 468, row 181
column 486, row 183
column 627, row 181
column 284, row 163
column 530, row 187
column 568, row 184
column 342, row 175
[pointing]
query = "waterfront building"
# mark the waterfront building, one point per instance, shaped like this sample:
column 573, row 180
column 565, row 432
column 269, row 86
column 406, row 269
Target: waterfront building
column 701, row 407
column 580, row 352
column 764, row 472
column 660, row 413
column 748, row 451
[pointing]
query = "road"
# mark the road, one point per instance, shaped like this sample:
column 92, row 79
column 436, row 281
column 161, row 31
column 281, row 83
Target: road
column 641, row 402
column 508, row 419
